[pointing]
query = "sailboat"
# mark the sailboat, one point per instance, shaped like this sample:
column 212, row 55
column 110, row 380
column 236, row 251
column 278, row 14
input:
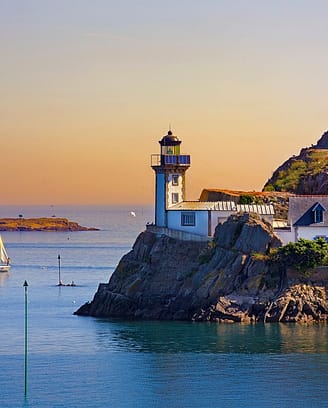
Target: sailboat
column 4, row 258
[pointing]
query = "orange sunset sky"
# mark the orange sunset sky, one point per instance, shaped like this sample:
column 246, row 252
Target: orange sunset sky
column 88, row 88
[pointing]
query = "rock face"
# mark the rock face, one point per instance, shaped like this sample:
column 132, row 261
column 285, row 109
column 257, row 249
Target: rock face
column 306, row 173
column 322, row 142
column 299, row 303
column 227, row 280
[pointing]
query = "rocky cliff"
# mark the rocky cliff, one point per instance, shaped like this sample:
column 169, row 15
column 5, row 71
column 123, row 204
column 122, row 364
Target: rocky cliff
column 228, row 279
column 305, row 173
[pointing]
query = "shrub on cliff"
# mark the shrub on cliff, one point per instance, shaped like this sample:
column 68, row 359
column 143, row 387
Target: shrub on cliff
column 302, row 255
column 246, row 199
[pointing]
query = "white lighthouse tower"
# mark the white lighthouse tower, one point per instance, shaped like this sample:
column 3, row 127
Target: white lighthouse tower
column 170, row 168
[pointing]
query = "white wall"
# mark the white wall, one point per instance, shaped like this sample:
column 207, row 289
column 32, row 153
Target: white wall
column 310, row 232
column 182, row 235
column 285, row 235
column 201, row 227
column 218, row 216
column 295, row 233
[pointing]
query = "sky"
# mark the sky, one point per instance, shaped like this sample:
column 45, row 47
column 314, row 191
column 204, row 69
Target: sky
column 89, row 87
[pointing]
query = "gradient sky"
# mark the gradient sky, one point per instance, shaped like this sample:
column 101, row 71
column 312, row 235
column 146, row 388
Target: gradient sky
column 88, row 88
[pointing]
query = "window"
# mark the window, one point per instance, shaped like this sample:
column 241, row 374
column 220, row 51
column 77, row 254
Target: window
column 175, row 179
column 318, row 215
column 321, row 236
column 317, row 211
column 188, row 219
column 175, row 198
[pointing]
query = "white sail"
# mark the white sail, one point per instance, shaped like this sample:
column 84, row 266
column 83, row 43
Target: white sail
column 3, row 253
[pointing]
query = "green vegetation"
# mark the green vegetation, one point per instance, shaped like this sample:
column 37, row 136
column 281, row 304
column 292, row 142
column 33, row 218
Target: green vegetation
column 259, row 256
column 288, row 180
column 250, row 199
column 269, row 187
column 302, row 255
column 246, row 199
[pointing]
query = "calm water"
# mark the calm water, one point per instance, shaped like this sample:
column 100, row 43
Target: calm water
column 86, row 362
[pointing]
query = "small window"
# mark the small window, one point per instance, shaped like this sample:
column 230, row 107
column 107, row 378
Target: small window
column 188, row 219
column 317, row 212
column 175, row 198
column 318, row 215
column 175, row 179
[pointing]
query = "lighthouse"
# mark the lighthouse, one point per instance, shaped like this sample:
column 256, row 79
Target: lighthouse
column 170, row 168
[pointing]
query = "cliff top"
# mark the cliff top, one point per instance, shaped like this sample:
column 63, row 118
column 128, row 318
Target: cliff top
column 322, row 142
column 207, row 192
column 305, row 173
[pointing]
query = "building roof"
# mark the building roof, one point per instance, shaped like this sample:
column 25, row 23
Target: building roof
column 205, row 206
column 301, row 209
column 280, row 224
column 264, row 209
column 231, row 206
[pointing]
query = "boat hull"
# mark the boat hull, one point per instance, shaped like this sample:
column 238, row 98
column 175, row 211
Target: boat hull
column 4, row 268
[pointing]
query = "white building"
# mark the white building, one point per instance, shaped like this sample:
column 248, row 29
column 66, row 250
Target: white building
column 307, row 218
column 191, row 218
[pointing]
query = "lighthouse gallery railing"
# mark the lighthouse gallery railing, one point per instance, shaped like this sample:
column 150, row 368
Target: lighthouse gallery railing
column 169, row 159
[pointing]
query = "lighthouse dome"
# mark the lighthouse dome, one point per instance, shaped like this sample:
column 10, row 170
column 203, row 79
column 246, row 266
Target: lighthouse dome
column 169, row 140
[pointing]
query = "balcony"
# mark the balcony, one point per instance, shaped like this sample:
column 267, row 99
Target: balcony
column 170, row 160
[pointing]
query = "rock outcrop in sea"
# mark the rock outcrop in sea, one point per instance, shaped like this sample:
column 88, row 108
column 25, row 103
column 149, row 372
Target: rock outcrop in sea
column 226, row 280
column 41, row 224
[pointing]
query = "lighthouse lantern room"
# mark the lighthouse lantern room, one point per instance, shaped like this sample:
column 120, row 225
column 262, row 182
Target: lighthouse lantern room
column 170, row 168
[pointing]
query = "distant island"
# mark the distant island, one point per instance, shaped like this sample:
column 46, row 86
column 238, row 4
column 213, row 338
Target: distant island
column 41, row 224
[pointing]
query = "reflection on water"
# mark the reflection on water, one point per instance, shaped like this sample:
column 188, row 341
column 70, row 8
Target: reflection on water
column 3, row 277
column 183, row 337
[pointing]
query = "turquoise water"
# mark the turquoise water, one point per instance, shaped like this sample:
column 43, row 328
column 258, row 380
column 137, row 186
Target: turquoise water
column 85, row 362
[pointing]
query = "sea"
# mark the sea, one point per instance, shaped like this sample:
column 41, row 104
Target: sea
column 74, row 361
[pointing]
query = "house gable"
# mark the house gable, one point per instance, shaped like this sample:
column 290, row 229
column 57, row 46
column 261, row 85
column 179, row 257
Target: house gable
column 308, row 211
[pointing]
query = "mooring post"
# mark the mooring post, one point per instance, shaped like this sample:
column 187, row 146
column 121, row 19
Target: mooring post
column 59, row 278
column 25, row 285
